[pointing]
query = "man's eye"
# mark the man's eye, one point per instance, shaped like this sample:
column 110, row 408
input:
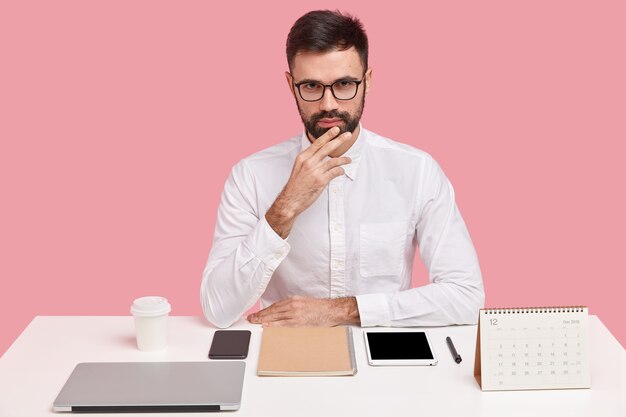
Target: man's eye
column 311, row 86
column 345, row 84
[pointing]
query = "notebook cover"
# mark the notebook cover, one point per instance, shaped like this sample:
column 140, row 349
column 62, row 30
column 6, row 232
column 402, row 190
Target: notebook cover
column 306, row 351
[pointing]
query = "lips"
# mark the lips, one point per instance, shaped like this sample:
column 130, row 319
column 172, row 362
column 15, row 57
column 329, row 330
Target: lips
column 329, row 122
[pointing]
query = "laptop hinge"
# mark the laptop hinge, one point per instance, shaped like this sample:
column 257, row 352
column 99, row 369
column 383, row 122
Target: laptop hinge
column 145, row 409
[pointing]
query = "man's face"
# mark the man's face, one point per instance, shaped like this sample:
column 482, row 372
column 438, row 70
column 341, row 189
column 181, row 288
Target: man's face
column 327, row 68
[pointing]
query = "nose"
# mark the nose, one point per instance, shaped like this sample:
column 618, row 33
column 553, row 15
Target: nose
column 328, row 101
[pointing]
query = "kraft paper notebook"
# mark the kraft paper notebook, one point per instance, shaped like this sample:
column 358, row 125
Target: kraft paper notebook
column 532, row 348
column 307, row 351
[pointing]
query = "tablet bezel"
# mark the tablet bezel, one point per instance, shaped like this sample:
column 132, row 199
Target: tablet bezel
column 400, row 362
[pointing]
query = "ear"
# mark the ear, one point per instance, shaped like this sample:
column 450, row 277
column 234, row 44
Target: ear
column 368, row 81
column 289, row 79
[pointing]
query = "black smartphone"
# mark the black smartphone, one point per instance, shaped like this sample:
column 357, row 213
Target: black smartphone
column 230, row 344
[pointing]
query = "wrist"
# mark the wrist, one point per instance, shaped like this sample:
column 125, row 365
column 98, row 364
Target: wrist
column 345, row 311
column 283, row 212
column 285, row 208
column 280, row 217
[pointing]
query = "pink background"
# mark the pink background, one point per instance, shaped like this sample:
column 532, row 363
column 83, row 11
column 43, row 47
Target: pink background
column 120, row 121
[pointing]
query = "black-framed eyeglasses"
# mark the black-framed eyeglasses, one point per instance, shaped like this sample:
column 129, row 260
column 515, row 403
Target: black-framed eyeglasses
column 344, row 89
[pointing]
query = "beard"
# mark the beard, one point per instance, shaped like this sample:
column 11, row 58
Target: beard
column 350, row 121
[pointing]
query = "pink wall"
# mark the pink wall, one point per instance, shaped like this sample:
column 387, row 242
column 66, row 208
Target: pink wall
column 120, row 121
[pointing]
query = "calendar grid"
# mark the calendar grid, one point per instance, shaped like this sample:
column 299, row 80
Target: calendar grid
column 533, row 348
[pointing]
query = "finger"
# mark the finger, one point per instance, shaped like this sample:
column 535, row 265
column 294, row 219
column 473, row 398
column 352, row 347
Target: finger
column 262, row 315
column 254, row 317
column 281, row 323
column 325, row 138
column 281, row 305
column 322, row 140
column 330, row 147
column 335, row 162
column 334, row 173
column 281, row 315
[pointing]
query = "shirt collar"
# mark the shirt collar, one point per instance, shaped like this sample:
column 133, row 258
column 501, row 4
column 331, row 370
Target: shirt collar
column 354, row 152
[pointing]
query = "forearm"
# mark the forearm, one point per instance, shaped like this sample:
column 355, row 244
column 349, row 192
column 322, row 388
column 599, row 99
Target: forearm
column 436, row 304
column 235, row 276
column 223, row 297
column 281, row 216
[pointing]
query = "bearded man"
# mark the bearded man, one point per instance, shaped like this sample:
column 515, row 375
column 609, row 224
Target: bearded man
column 323, row 228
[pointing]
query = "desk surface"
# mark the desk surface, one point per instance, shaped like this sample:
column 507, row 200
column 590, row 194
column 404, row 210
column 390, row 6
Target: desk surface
column 37, row 365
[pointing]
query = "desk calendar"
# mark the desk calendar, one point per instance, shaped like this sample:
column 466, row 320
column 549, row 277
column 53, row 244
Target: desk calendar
column 532, row 348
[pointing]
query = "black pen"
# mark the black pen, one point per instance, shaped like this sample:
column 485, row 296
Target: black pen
column 455, row 355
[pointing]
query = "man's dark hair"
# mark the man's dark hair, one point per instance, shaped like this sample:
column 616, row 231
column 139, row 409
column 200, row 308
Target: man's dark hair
column 325, row 31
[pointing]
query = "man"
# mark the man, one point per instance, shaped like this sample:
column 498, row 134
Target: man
column 323, row 228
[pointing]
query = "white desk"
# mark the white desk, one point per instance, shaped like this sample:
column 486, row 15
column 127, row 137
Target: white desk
column 37, row 365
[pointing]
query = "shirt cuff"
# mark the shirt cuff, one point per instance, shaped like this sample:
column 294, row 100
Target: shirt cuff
column 268, row 246
column 373, row 310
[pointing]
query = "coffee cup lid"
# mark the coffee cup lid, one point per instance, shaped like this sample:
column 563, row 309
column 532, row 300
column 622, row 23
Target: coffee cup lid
column 150, row 306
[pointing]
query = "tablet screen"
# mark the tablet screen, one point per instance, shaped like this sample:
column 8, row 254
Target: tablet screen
column 398, row 345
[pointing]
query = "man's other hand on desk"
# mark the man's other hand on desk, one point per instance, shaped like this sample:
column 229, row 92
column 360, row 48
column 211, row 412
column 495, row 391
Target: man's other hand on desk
column 302, row 311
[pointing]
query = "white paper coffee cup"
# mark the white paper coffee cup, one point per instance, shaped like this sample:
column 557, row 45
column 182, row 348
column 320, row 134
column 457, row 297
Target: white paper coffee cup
column 150, row 315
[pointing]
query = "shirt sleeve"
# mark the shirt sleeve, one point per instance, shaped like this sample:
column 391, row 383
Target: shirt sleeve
column 245, row 253
column 455, row 292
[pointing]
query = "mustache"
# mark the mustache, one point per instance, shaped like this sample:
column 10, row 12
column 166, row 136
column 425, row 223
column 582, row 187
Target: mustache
column 334, row 114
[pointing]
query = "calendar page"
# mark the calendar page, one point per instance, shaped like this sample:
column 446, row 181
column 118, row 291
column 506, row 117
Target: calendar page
column 532, row 348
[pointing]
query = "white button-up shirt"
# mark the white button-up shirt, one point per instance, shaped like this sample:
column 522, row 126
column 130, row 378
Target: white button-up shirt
column 357, row 239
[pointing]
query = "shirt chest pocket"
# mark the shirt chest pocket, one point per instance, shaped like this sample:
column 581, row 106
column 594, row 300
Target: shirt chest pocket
column 381, row 247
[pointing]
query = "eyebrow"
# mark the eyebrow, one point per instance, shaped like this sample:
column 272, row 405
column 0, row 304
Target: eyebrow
column 311, row 80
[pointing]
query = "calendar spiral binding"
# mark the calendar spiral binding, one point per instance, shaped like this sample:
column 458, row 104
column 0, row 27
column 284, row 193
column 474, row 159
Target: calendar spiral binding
column 532, row 310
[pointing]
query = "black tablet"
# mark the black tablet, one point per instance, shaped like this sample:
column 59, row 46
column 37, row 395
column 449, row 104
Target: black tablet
column 385, row 347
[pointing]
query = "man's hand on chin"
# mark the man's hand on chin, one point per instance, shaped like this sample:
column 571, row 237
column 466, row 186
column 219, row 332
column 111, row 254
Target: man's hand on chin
column 308, row 312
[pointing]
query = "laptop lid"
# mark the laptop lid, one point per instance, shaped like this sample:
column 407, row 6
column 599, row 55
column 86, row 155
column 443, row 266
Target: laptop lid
column 128, row 387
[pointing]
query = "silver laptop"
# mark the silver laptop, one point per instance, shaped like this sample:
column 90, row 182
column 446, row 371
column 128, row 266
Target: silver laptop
column 128, row 387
